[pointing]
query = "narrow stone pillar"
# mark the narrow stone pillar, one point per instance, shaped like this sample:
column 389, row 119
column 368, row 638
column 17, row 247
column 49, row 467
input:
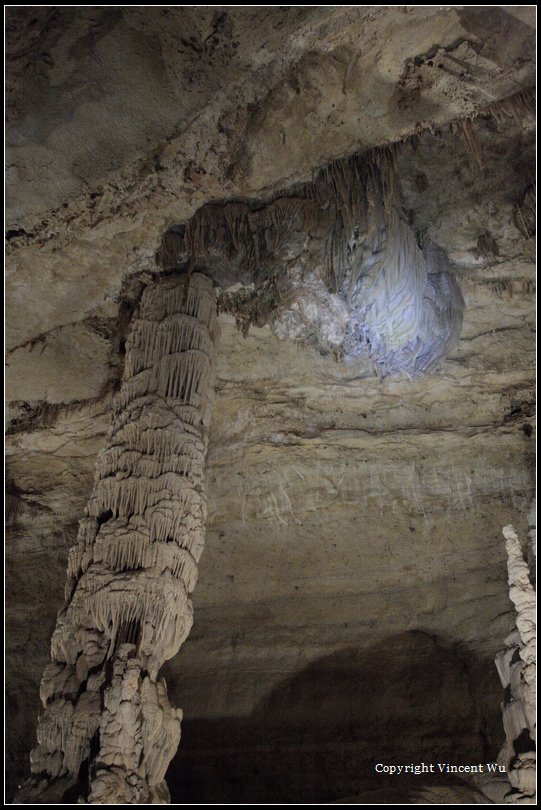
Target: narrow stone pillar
column 517, row 669
column 108, row 731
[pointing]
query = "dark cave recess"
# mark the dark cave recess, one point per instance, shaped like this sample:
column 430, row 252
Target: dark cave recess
column 318, row 736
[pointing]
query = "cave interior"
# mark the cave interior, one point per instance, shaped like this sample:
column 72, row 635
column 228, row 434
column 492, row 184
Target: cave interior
column 300, row 242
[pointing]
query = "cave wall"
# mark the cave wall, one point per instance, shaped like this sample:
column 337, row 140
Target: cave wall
column 354, row 538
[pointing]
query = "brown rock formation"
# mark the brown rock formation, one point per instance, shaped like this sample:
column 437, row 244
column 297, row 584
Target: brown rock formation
column 108, row 729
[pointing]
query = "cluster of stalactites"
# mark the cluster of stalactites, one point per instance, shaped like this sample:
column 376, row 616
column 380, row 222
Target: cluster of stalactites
column 134, row 566
column 517, row 669
column 254, row 236
column 406, row 307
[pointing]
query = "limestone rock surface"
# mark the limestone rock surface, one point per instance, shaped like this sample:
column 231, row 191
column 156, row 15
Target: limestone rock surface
column 354, row 523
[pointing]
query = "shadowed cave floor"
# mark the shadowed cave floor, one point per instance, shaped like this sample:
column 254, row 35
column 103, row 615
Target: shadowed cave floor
column 317, row 737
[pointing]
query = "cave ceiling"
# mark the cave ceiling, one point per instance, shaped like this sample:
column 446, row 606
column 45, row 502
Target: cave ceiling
column 351, row 506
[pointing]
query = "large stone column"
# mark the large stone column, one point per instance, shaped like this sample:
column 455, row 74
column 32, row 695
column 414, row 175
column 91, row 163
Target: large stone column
column 108, row 731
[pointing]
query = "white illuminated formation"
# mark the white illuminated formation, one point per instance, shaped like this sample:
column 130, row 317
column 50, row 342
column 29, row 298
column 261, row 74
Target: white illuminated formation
column 369, row 287
column 406, row 307
column 517, row 669
column 108, row 731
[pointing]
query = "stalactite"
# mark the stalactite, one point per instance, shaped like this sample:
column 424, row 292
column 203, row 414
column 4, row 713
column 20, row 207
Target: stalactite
column 406, row 307
column 466, row 129
column 403, row 306
column 107, row 725
column 342, row 197
column 517, row 670
column 520, row 107
column 525, row 220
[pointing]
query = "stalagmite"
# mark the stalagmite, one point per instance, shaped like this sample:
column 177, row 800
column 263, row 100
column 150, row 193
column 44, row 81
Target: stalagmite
column 517, row 670
column 108, row 731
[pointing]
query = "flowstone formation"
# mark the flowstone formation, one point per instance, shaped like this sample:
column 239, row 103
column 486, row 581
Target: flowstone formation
column 108, row 730
column 517, row 669
column 334, row 263
column 406, row 307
